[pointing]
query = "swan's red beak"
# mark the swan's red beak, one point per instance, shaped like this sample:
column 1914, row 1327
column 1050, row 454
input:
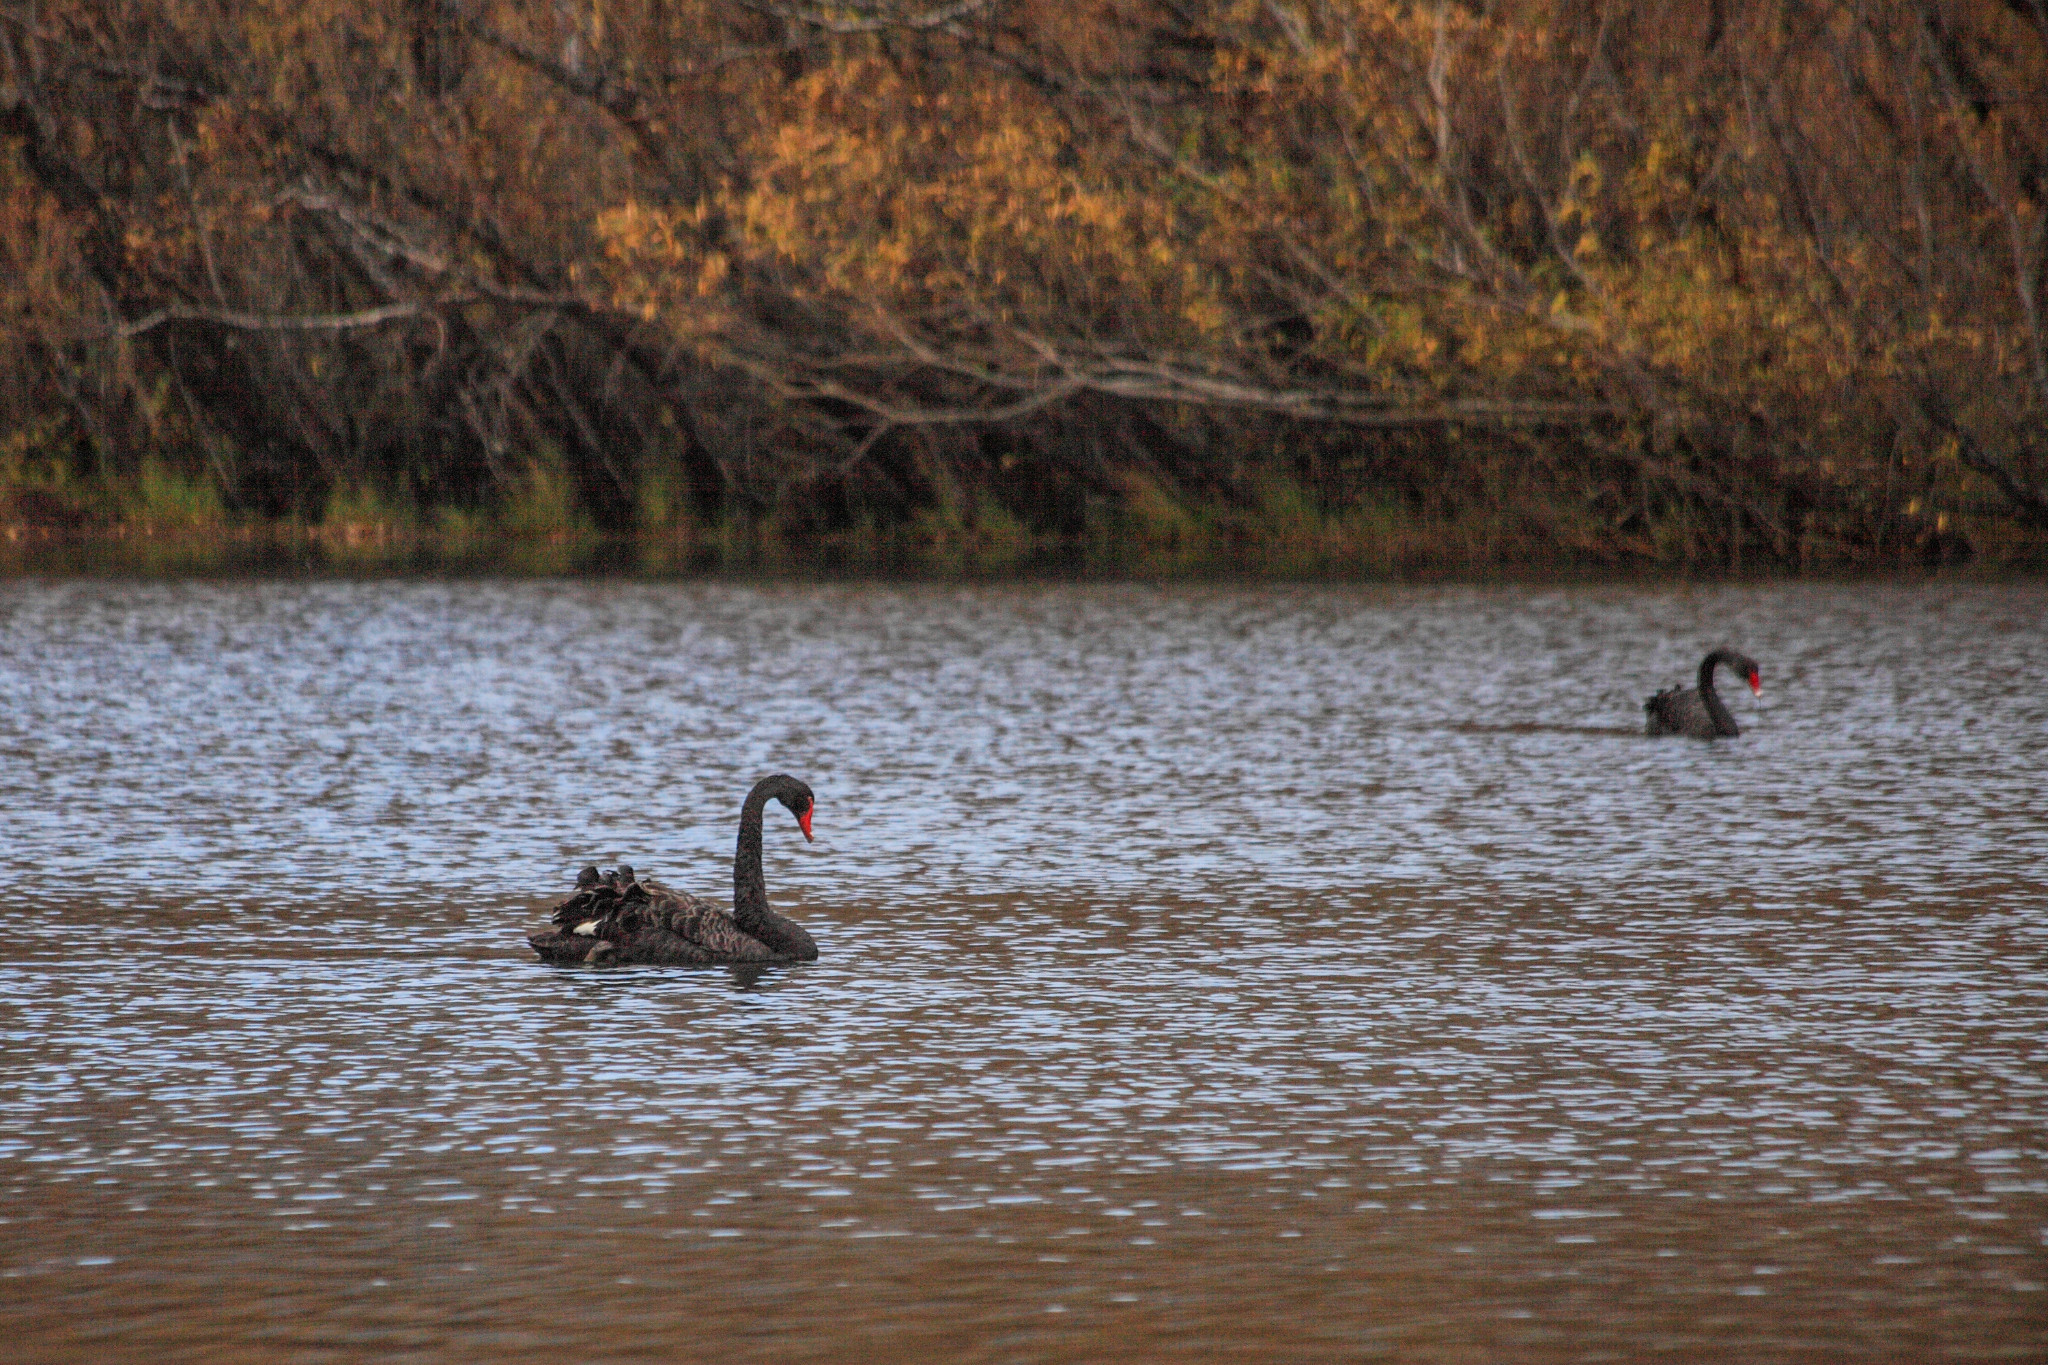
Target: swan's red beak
column 804, row 823
column 1756, row 683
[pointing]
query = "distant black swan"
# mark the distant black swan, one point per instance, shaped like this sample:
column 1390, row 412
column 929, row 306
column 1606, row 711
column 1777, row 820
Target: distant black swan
column 1699, row 712
column 616, row 917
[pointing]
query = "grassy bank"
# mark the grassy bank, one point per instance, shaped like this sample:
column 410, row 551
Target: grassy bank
column 164, row 524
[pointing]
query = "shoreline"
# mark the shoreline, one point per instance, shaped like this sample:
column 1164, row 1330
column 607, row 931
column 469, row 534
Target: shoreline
column 287, row 550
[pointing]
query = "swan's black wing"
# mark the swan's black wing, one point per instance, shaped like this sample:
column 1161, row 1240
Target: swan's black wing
column 1678, row 711
column 708, row 927
column 614, row 920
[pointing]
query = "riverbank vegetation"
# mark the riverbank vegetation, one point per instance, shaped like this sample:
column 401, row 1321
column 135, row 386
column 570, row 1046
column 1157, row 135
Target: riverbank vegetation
column 970, row 286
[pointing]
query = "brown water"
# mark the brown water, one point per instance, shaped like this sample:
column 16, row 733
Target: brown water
column 1263, row 974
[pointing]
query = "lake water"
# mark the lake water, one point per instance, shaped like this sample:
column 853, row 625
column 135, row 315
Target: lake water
column 1262, row 973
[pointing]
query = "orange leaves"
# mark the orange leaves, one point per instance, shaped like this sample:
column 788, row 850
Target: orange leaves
column 943, row 196
column 659, row 268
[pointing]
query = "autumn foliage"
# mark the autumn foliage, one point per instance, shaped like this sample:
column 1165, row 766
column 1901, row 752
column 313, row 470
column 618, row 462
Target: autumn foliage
column 1323, row 285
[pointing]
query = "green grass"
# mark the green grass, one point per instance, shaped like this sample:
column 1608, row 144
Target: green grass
column 165, row 521
column 168, row 498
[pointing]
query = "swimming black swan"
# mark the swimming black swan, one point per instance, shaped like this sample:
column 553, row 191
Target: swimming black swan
column 616, row 917
column 1699, row 711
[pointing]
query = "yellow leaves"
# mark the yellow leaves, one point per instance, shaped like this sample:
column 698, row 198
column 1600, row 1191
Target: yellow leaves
column 927, row 198
column 1585, row 177
column 1407, row 338
column 661, row 267
column 1473, row 351
column 1205, row 313
column 712, row 273
column 1659, row 184
column 1655, row 158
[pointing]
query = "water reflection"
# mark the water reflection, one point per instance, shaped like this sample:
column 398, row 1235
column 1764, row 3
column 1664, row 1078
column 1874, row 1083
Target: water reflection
column 1293, row 972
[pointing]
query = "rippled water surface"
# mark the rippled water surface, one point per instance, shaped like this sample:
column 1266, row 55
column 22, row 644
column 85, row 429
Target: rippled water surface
column 1249, row 973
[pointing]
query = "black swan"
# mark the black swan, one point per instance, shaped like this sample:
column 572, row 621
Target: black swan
column 1699, row 711
column 617, row 917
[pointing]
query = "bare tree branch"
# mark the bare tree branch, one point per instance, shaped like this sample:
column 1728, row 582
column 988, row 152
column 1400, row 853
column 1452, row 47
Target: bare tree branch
column 880, row 19
column 269, row 322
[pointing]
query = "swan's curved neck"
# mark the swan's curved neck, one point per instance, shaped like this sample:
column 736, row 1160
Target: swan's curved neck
column 1717, row 710
column 749, row 887
column 750, row 908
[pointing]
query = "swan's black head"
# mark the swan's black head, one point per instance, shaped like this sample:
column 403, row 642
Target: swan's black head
column 797, row 797
column 1744, row 666
column 1751, row 674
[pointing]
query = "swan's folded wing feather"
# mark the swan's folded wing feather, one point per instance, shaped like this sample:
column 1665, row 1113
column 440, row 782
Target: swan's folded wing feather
column 651, row 923
column 556, row 945
column 699, row 922
column 644, row 943
column 581, row 906
column 1678, row 711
